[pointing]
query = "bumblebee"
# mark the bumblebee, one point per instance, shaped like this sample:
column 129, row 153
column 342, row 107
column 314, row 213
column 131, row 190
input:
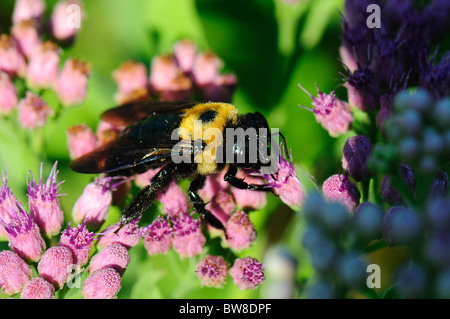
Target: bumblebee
column 148, row 141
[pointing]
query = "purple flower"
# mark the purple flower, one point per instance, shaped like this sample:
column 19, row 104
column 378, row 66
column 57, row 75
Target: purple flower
column 23, row 234
column 8, row 94
column 221, row 90
column 79, row 241
column 56, row 265
column 131, row 77
column 362, row 89
column 8, row 202
column 104, row 283
column 248, row 199
column 436, row 78
column 389, row 193
column 113, row 256
column 14, row 272
column 158, row 236
column 185, row 52
column 339, row 188
column 188, row 239
column 356, row 152
column 212, row 271
column 240, row 231
column 43, row 66
column 222, row 205
column 333, row 114
column 38, row 288
column 28, row 9
column 128, row 235
column 43, row 200
column 285, row 182
column 11, row 60
column 206, row 68
column 247, row 273
column 62, row 27
column 174, row 200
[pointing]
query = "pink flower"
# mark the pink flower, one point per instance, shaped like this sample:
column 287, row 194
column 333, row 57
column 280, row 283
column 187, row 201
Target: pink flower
column 104, row 283
column 27, row 36
column 43, row 66
column 38, row 288
column 212, row 271
column 338, row 188
column 333, row 114
column 222, row 206
column 33, row 111
column 221, row 90
column 56, row 265
column 158, row 236
column 63, row 28
column 80, row 140
column 174, row 200
column 206, row 68
column 94, row 203
column 106, row 132
column 43, row 200
column 8, row 94
column 14, row 272
column 240, row 231
column 23, row 234
column 285, row 182
column 214, row 184
column 185, row 52
column 11, row 60
column 130, row 77
column 128, row 236
column 112, row 256
column 72, row 83
column 188, row 239
column 248, row 199
column 8, row 202
column 247, row 273
column 79, row 241
column 28, row 9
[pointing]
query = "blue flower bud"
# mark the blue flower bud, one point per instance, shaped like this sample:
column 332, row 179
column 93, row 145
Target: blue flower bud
column 442, row 113
column 438, row 213
column 324, row 256
column 443, row 284
column 438, row 250
column 352, row 270
column 433, row 143
column 411, row 282
column 322, row 289
column 313, row 237
column 401, row 226
column 368, row 220
column 334, row 217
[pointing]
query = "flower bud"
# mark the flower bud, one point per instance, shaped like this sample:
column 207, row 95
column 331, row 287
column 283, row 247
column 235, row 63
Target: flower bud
column 443, row 284
column 11, row 61
column 14, row 272
column 80, row 140
column 104, row 283
column 157, row 237
column 128, row 235
column 368, row 220
column 23, row 234
column 240, row 231
column 438, row 214
column 363, row 91
column 56, row 265
column 185, row 52
column 43, row 66
column 411, row 282
column 188, row 239
column 8, row 204
column 113, row 256
column 334, row 217
column 323, row 289
column 8, row 94
column 439, row 188
column 338, row 188
column 63, row 28
column 130, row 77
column 43, row 200
column 438, row 250
column 79, row 240
column 28, row 9
column 333, row 114
column 248, row 199
column 247, row 273
column 212, row 271
column 442, row 113
column 221, row 90
column 389, row 193
column 356, row 152
column 401, row 226
column 174, row 200
column 33, row 111
column 324, row 256
column 352, row 270
column 206, row 68
column 27, row 36
column 72, row 83
column 213, row 185
column 38, row 288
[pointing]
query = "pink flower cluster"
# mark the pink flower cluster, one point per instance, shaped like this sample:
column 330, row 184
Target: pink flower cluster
column 25, row 54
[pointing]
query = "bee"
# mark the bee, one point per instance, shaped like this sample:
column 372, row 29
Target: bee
column 162, row 134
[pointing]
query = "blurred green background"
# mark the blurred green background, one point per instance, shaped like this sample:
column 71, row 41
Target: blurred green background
column 270, row 45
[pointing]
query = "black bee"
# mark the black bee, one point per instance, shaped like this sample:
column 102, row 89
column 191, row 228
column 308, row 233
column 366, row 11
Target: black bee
column 149, row 141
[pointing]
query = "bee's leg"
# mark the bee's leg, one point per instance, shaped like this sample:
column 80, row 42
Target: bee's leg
column 199, row 204
column 147, row 195
column 231, row 178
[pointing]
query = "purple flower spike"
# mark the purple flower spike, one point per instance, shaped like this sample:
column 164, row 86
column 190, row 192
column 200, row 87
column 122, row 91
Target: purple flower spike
column 188, row 239
column 339, row 188
column 285, row 182
column 212, row 271
column 23, row 234
column 43, row 200
column 14, row 272
column 247, row 273
column 333, row 114
column 158, row 236
column 79, row 241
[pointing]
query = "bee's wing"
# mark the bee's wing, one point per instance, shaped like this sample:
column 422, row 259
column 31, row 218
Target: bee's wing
column 130, row 113
column 143, row 145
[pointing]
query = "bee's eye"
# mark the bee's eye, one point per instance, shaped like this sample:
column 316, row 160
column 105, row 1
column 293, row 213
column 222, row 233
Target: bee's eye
column 208, row 116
